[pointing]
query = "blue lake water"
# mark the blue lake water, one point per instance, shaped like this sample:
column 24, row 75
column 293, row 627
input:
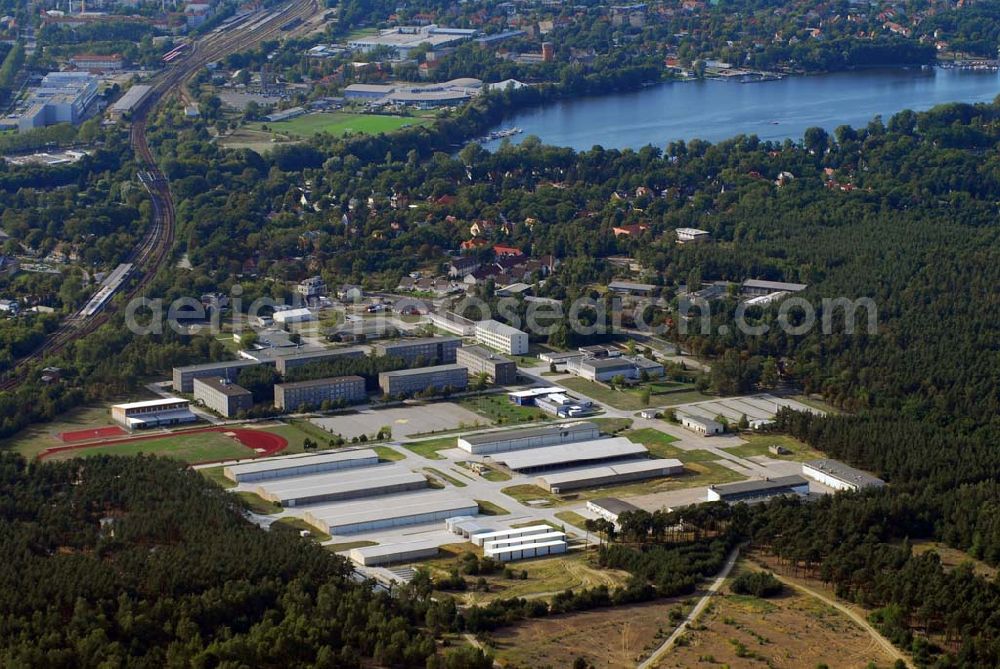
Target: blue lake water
column 773, row 110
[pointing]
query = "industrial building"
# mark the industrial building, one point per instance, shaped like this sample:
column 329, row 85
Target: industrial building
column 759, row 490
column 405, row 39
column 692, row 235
column 526, row 551
column 390, row 511
column 614, row 474
column 288, row 362
column 632, row 288
column 839, row 476
column 528, row 437
column 183, row 377
column 562, row 405
column 336, row 389
column 527, row 397
column 152, row 413
column 408, row 382
column 336, row 486
column 465, row 526
column 605, row 369
column 700, row 424
column 299, row 465
column 502, row 337
column 478, row 360
column 367, row 91
column 222, row 396
column 551, row 535
column 293, row 316
column 93, row 62
column 569, row 455
column 510, row 533
column 757, row 287
column 610, row 508
column 407, row 551
column 432, row 350
column 62, row 97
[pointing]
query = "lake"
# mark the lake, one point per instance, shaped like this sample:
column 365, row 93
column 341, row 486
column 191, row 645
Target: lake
column 773, row 110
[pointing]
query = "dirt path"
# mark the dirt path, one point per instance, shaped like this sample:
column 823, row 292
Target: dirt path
column 856, row 618
column 695, row 612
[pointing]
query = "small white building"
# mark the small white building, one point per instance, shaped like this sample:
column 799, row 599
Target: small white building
column 692, row 235
column 502, row 337
column 290, row 316
column 609, row 508
column 700, row 424
column 839, row 476
column 153, row 413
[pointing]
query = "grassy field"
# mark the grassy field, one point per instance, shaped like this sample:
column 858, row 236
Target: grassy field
column 489, row 473
column 498, row 409
column 612, row 425
column 816, row 403
column 296, row 432
column 198, row 447
column 338, row 123
column 527, row 492
column 388, row 454
column 296, row 525
column 659, row 444
column 627, row 400
column 789, row 631
column 488, row 508
column 447, row 477
column 573, row 518
column 215, row 475
column 258, row 504
column 34, row 439
column 681, row 397
column 429, row 447
column 757, row 444
column 348, row 545
column 952, row 557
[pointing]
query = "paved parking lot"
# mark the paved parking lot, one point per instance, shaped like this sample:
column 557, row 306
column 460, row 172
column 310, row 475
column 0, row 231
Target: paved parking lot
column 404, row 421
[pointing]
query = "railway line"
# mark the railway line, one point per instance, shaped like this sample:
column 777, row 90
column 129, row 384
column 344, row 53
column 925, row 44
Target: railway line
column 154, row 248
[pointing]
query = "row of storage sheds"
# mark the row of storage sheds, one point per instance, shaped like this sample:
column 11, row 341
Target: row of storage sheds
column 299, row 465
column 390, row 511
column 621, row 472
column 405, row 551
column 340, row 485
column 528, row 437
column 465, row 526
column 568, row 455
column 526, row 550
column 510, row 533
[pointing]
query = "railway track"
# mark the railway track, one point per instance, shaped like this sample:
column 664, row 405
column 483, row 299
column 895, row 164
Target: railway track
column 154, row 248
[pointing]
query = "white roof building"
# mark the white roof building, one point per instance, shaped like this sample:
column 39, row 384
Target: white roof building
column 567, row 455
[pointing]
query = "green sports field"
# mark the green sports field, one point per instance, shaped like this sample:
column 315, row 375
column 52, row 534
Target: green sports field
column 340, row 123
column 198, row 447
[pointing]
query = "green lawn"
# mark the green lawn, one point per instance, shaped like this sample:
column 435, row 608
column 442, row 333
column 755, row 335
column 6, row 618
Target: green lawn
column 489, row 473
column 339, row 123
column 197, row 447
column 488, row 508
column 215, row 475
column 348, row 545
column 258, row 504
column 429, row 447
column 660, row 445
column 573, row 518
column 296, row 432
column 627, row 400
column 525, row 493
column 757, row 444
column 501, row 410
column 388, row 454
column 447, row 477
column 296, row 525
column 612, row 425
column 681, row 397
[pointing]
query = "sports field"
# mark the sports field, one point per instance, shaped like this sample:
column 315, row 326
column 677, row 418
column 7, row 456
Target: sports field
column 340, row 123
column 197, row 446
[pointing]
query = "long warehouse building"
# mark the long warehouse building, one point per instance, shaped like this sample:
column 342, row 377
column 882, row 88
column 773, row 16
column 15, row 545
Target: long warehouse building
column 407, row 382
column 407, row 551
column 526, row 551
column 288, row 362
column 342, row 485
column 528, row 437
column 299, row 465
column 570, row 455
column 390, row 511
column 184, row 377
column 625, row 472
column 761, row 490
column 511, row 533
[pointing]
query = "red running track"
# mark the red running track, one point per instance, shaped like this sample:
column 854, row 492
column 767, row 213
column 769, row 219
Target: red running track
column 85, row 435
column 268, row 442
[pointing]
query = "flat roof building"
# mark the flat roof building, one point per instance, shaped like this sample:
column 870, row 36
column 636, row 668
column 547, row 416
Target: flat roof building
column 502, row 371
column 367, row 91
column 502, row 337
column 430, row 350
column 613, row 474
column 336, row 486
column 390, row 511
column 759, row 490
column 405, row 39
column 221, row 396
column 692, row 235
column 700, row 424
column 483, row 538
column 183, row 377
column 574, row 454
column 755, row 287
column 62, row 97
column 632, row 288
column 394, row 553
column 287, row 362
column 152, row 413
column 300, row 465
column 610, row 508
column 605, row 369
column 527, row 437
column 409, row 382
column 128, row 102
column 452, row 323
column 339, row 390
column 839, row 476
column 526, row 551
